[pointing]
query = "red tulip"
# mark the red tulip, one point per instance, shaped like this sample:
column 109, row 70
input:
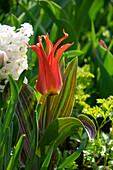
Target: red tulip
column 49, row 79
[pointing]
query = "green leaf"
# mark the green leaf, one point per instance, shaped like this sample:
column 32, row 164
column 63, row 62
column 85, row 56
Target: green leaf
column 69, row 55
column 7, row 147
column 32, row 148
column 14, row 159
column 25, row 108
column 53, row 9
column 105, row 71
column 59, row 16
column 14, row 89
column 15, row 129
column 21, row 79
column 27, row 12
column 82, row 15
column 95, row 7
column 14, row 21
column 62, row 104
column 89, row 125
column 12, row 104
column 21, row 17
column 25, row 111
column 69, row 160
column 47, row 159
column 93, row 36
column 60, row 128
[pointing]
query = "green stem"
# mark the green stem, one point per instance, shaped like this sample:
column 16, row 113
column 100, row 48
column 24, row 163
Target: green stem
column 98, row 135
column 48, row 104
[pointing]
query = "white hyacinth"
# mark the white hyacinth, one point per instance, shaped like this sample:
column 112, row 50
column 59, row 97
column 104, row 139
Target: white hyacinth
column 13, row 43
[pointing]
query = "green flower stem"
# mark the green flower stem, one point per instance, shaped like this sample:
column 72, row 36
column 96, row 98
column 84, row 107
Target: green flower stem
column 48, row 104
column 98, row 135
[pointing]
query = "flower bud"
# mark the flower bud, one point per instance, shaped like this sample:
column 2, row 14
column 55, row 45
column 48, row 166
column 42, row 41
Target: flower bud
column 3, row 58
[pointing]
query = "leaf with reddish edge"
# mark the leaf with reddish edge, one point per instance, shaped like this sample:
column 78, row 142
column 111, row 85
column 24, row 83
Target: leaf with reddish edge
column 88, row 125
column 62, row 104
column 25, row 108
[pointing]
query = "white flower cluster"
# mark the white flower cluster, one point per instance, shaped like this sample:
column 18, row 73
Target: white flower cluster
column 13, row 43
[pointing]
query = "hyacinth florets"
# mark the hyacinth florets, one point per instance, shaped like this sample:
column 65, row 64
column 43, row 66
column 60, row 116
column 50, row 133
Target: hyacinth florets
column 13, row 43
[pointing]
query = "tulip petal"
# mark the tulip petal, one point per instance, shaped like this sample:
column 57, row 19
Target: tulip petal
column 55, row 66
column 56, row 45
column 49, row 49
column 60, row 51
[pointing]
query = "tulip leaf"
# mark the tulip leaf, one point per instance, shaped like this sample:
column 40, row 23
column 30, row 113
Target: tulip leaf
column 89, row 126
column 105, row 72
column 62, row 104
column 60, row 128
column 69, row 55
column 25, row 108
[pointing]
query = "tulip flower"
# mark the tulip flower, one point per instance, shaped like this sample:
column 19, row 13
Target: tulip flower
column 49, row 79
column 3, row 58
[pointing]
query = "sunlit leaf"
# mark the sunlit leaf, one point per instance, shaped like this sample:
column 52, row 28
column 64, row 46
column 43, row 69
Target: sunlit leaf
column 105, row 71
column 47, row 159
column 14, row 159
column 59, row 129
column 14, row 21
column 89, row 126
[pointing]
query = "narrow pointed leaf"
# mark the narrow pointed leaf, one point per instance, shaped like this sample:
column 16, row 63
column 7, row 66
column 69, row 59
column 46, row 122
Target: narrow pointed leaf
column 72, row 54
column 32, row 148
column 14, row 21
column 69, row 160
column 12, row 104
column 21, row 79
column 14, row 159
column 47, row 159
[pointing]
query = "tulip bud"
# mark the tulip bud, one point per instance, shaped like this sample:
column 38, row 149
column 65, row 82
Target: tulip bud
column 3, row 58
